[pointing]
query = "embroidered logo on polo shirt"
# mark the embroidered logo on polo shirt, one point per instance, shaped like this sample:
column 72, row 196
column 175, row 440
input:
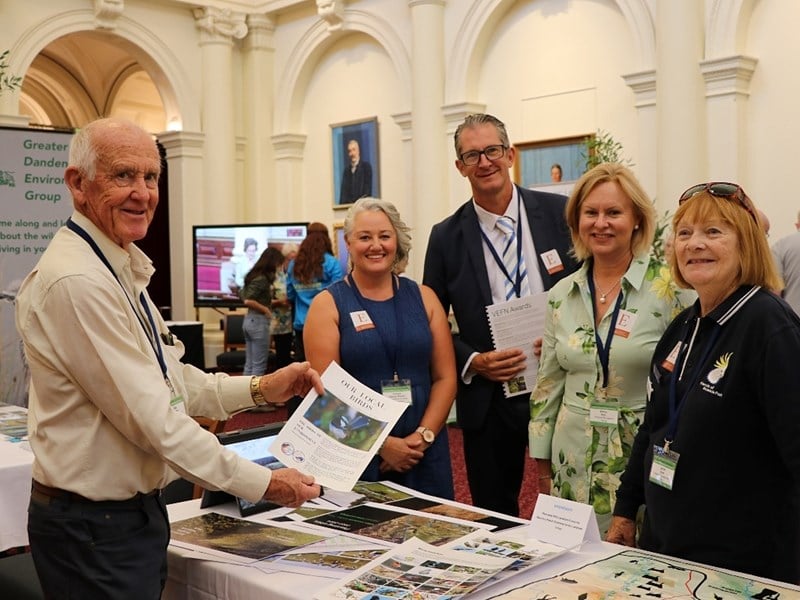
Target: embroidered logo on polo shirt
column 709, row 385
column 721, row 366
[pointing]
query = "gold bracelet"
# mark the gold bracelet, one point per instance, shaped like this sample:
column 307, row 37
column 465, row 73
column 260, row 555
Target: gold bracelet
column 545, row 477
column 255, row 392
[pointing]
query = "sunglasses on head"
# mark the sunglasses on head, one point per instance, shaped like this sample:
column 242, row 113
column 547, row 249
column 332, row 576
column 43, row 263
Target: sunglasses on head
column 721, row 189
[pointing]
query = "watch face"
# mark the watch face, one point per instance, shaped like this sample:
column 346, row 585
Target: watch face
column 428, row 436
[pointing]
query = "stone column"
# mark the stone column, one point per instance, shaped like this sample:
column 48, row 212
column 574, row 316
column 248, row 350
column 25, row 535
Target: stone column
column 727, row 91
column 428, row 164
column 186, row 167
column 218, row 28
column 261, row 201
column 288, row 150
column 682, row 144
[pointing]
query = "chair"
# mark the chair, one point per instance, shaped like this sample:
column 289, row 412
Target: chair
column 232, row 358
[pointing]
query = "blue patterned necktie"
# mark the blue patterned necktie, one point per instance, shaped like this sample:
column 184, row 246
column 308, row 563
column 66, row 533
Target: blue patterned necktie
column 509, row 255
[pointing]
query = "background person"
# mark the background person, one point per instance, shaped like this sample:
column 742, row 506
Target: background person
column 281, row 323
column 585, row 365
column 463, row 268
column 313, row 270
column 356, row 177
column 723, row 413
column 109, row 398
column 403, row 339
column 786, row 252
column 244, row 264
column 257, row 297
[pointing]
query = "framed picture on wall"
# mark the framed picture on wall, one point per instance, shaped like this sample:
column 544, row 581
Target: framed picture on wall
column 552, row 165
column 340, row 246
column 355, row 161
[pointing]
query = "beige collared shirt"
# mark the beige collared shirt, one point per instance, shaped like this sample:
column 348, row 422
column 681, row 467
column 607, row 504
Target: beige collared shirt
column 100, row 418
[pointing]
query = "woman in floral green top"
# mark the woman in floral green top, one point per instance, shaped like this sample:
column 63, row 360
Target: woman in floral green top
column 601, row 328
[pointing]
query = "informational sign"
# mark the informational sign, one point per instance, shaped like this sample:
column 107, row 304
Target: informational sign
column 34, row 203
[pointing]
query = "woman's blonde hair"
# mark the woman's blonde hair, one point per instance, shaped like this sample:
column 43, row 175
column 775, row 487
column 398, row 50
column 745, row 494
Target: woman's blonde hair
column 645, row 214
column 756, row 265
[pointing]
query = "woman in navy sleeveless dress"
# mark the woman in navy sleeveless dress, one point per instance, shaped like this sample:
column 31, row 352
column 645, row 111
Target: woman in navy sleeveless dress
column 407, row 337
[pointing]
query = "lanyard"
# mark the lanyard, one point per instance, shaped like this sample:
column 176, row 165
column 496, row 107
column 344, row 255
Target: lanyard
column 676, row 405
column 517, row 285
column 154, row 343
column 604, row 350
column 385, row 343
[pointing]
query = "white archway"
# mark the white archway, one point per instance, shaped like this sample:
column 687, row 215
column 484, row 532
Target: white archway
column 312, row 45
column 156, row 58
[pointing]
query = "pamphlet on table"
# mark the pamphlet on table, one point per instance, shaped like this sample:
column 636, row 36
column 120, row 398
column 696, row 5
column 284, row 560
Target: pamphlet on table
column 333, row 436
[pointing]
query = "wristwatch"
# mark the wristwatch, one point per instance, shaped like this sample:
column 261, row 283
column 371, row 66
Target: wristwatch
column 255, row 392
column 427, row 434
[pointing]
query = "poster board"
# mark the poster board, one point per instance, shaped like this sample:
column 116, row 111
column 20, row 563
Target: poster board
column 34, row 203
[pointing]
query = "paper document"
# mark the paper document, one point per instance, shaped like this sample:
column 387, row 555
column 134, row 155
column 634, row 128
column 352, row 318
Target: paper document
column 515, row 324
column 334, row 436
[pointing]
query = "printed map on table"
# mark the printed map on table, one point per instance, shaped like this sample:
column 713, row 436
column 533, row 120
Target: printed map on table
column 636, row 574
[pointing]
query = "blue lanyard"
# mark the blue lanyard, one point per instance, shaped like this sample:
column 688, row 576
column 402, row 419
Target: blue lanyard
column 604, row 350
column 385, row 343
column 517, row 285
column 152, row 336
column 675, row 405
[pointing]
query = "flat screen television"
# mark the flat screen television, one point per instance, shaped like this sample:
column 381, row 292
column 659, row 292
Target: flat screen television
column 223, row 254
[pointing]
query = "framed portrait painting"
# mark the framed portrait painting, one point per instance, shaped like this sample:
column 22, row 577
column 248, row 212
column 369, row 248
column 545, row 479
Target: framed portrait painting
column 355, row 161
column 551, row 165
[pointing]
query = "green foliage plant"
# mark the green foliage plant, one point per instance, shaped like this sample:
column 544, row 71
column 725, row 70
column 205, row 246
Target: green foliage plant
column 8, row 82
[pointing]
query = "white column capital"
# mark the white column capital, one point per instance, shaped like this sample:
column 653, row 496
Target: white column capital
column 260, row 32
column 219, row 25
column 643, row 85
column 289, row 146
column 728, row 76
column 454, row 114
column 404, row 121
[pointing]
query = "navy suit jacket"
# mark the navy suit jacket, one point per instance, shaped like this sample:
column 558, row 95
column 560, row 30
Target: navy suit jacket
column 456, row 270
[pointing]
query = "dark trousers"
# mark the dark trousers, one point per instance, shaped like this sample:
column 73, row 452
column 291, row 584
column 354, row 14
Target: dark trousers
column 283, row 349
column 87, row 550
column 495, row 455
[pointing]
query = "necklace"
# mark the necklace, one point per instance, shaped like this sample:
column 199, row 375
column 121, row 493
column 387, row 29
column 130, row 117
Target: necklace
column 607, row 292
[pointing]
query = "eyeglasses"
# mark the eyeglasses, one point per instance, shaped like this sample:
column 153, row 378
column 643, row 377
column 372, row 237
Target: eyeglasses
column 721, row 189
column 473, row 157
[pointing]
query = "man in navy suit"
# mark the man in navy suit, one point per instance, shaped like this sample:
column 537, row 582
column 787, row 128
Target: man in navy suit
column 356, row 177
column 465, row 267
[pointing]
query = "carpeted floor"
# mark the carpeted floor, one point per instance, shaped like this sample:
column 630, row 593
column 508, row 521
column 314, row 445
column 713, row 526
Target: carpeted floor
column 528, row 496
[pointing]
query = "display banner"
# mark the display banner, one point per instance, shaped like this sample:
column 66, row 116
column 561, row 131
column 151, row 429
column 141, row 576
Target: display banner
column 34, row 203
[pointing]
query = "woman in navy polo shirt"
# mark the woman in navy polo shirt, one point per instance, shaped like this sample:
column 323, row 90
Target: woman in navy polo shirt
column 717, row 460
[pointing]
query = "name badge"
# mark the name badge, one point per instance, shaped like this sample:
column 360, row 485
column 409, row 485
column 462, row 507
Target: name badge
column 398, row 390
column 625, row 321
column 669, row 362
column 177, row 404
column 552, row 261
column 603, row 415
column 662, row 471
column 361, row 320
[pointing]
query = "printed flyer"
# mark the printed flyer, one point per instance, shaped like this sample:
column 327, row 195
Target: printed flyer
column 334, row 436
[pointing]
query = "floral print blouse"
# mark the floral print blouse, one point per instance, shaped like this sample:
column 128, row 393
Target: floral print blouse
column 587, row 460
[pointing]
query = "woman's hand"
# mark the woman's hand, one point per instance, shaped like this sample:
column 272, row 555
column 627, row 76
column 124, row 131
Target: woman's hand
column 622, row 531
column 402, row 454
